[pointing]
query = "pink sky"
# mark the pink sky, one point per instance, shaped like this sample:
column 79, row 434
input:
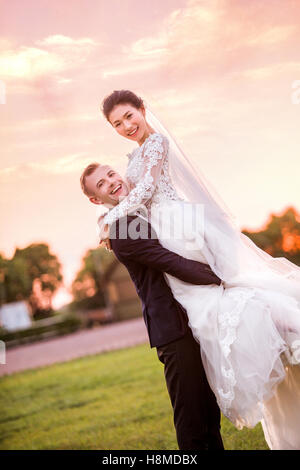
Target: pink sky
column 219, row 73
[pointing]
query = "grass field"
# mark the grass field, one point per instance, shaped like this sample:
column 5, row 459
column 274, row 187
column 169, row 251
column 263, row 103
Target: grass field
column 115, row 400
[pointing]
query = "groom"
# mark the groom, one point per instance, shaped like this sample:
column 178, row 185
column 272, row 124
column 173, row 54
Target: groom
column 196, row 413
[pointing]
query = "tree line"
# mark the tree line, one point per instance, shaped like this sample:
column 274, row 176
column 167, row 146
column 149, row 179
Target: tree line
column 34, row 273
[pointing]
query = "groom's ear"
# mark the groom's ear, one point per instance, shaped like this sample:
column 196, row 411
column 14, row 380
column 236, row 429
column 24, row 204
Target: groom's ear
column 95, row 200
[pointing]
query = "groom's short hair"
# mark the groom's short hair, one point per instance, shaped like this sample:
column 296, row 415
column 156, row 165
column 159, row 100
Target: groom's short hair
column 87, row 172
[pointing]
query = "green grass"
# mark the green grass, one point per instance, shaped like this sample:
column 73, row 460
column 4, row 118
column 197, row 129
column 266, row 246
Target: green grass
column 115, row 400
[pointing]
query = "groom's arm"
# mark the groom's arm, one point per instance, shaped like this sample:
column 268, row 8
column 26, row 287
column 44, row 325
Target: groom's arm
column 150, row 252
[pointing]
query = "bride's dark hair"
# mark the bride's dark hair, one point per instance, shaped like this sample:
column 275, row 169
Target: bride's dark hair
column 120, row 97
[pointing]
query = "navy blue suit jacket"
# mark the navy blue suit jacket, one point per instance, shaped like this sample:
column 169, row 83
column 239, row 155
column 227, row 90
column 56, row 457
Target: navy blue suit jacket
column 146, row 260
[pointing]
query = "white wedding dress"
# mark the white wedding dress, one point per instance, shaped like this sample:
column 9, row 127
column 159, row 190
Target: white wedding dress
column 249, row 336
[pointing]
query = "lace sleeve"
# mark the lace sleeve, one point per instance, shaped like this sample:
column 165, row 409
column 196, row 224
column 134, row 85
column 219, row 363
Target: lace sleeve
column 153, row 156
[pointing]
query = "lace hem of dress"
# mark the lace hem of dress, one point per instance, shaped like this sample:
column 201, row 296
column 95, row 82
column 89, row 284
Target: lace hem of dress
column 229, row 322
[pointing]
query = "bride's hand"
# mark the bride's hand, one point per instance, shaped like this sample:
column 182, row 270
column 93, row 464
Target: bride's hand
column 104, row 233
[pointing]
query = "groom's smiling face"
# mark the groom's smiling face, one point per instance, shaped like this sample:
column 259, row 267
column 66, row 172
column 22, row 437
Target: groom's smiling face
column 107, row 185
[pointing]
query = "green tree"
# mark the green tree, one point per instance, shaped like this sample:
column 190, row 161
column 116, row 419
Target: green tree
column 281, row 236
column 15, row 281
column 88, row 287
column 33, row 274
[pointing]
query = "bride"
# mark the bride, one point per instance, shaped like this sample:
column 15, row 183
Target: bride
column 248, row 327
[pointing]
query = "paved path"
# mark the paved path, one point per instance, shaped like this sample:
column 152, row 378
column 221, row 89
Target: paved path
column 81, row 343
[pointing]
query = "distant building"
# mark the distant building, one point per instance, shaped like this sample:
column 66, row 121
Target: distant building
column 121, row 294
column 15, row 316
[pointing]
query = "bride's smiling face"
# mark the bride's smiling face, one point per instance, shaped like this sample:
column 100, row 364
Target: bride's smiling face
column 129, row 122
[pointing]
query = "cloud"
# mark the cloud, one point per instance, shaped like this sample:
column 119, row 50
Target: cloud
column 29, row 62
column 47, row 123
column 73, row 163
column 126, row 67
column 181, row 38
column 54, row 55
column 66, row 41
column 6, row 172
column 212, row 36
column 149, row 47
column 67, row 164
column 207, row 38
column 143, row 55
column 273, row 70
column 272, row 35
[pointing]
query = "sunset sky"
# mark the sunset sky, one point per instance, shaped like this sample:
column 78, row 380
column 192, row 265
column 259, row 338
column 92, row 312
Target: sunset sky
column 223, row 75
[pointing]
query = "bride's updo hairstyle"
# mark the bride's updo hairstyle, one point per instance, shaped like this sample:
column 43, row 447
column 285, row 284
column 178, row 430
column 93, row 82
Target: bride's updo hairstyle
column 120, row 97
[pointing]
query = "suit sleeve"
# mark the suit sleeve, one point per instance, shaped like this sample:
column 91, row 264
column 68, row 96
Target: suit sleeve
column 151, row 253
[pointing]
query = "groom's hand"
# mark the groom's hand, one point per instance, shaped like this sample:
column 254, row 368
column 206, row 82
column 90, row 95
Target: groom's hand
column 106, row 243
column 104, row 234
